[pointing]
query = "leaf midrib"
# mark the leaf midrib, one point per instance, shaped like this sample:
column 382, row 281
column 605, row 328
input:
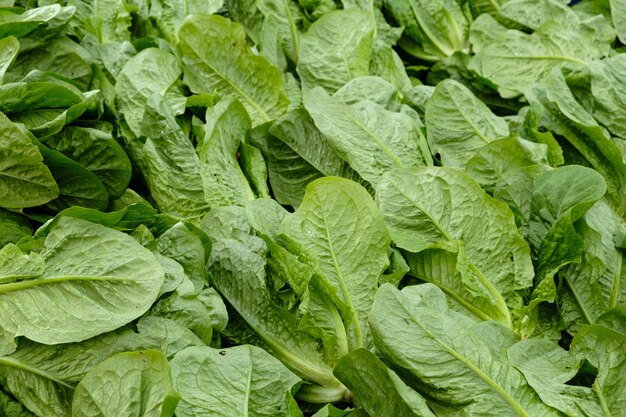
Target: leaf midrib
column 304, row 367
column 422, row 210
column 17, row 277
column 358, row 334
column 579, row 302
column 301, row 365
column 615, row 290
column 28, row 284
column 540, row 57
column 14, row 363
column 292, row 28
column 246, row 400
column 27, row 181
column 601, row 398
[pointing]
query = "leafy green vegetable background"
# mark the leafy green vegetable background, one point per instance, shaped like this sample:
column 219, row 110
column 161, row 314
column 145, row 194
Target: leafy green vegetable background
column 328, row 208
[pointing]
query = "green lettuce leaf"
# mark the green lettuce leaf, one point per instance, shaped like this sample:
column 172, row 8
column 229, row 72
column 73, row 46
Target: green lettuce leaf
column 131, row 383
column 170, row 165
column 107, row 20
column 287, row 19
column 561, row 197
column 609, row 93
column 341, row 226
column 61, row 56
column 216, row 57
column 20, row 22
column 566, row 117
column 97, row 151
column 43, row 377
column 24, row 179
column 242, row 381
column 13, row 227
column 116, row 283
column 223, row 179
column 432, row 29
column 369, row 137
column 550, row 370
column 513, row 60
column 377, row 388
column 78, row 186
column 479, row 7
column 457, row 237
column 458, row 124
column 445, row 354
column 170, row 15
column 238, row 253
column 618, row 14
column 598, row 283
column 9, row 46
column 336, row 49
column 17, row 266
column 152, row 71
column 298, row 153
column 506, row 169
column 166, row 335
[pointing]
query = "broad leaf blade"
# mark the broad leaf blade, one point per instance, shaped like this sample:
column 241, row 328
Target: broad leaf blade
column 77, row 185
column 236, row 253
column 618, row 13
column 13, row 227
column 609, row 93
column 288, row 19
column 242, row 381
column 369, row 137
column 377, row 388
column 20, row 24
column 152, row 71
column 566, row 117
column 432, row 29
column 216, row 57
column 132, row 383
column 471, row 244
column 170, row 165
column 598, row 283
column 9, row 47
column 442, row 352
column 561, row 197
column 108, row 20
column 506, row 168
column 458, row 124
column 170, row 15
column 17, row 266
column 97, row 151
column 336, row 49
column 604, row 349
column 548, row 368
column 24, row 180
column 513, row 60
column 339, row 223
column 222, row 178
column 81, row 296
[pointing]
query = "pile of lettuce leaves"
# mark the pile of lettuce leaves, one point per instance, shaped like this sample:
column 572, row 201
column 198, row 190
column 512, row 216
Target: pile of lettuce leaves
column 288, row 208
